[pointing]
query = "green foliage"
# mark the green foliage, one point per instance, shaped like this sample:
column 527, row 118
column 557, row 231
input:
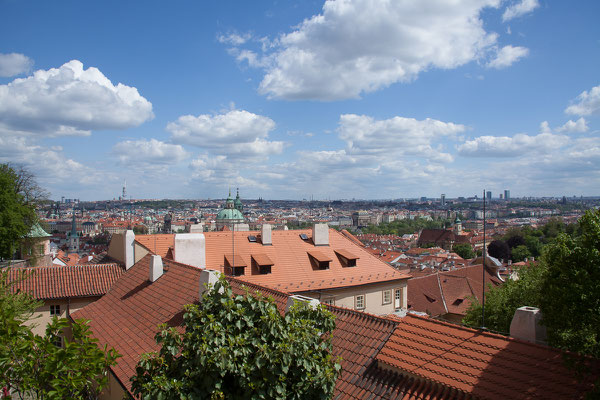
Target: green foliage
column 17, row 213
column 34, row 366
column 241, row 347
column 520, row 253
column 464, row 250
column 499, row 249
column 502, row 302
column 571, row 302
column 405, row 226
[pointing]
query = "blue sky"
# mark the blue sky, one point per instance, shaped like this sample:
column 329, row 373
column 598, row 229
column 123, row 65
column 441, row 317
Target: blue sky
column 338, row 99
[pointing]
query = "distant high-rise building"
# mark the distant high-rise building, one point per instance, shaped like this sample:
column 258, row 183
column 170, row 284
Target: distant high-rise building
column 443, row 199
column 507, row 195
column 500, row 196
column 488, row 195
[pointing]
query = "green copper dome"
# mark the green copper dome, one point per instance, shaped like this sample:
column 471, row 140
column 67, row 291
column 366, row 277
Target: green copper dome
column 230, row 213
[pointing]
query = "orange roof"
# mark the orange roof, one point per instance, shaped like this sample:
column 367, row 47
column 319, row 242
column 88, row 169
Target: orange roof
column 262, row 259
column 320, row 257
column 292, row 270
column 56, row 282
column 482, row 364
column 346, row 254
column 158, row 243
column 235, row 260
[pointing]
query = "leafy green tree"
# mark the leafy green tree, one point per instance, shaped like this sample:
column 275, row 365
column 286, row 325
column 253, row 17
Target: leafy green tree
column 46, row 367
column 520, row 253
column 501, row 302
column 241, row 347
column 571, row 301
column 17, row 209
column 499, row 249
column 464, row 250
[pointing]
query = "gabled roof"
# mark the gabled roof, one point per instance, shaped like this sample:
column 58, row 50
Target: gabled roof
column 58, row 282
column 392, row 358
column 157, row 243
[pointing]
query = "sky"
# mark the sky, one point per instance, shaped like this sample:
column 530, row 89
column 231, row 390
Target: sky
column 364, row 99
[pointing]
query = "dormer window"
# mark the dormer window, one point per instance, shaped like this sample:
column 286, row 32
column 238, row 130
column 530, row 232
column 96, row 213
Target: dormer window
column 347, row 259
column 261, row 264
column 235, row 265
column 319, row 260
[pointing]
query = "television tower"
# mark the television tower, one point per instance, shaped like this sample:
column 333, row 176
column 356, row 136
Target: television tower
column 124, row 196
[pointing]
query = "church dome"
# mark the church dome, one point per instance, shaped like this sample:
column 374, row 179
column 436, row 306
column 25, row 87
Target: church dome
column 229, row 214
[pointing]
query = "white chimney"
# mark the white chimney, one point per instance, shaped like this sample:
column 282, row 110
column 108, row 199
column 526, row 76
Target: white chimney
column 526, row 326
column 190, row 248
column 320, row 234
column 196, row 228
column 265, row 235
column 313, row 303
column 208, row 277
column 156, row 268
column 128, row 249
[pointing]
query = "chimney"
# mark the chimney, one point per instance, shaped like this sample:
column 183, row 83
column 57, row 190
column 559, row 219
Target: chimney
column 128, row 249
column 320, row 234
column 190, row 248
column 509, row 262
column 156, row 268
column 265, row 235
column 313, row 303
column 526, row 326
column 208, row 277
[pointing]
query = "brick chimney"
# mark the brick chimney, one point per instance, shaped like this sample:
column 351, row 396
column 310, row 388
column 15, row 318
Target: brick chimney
column 156, row 268
column 526, row 325
column 320, row 234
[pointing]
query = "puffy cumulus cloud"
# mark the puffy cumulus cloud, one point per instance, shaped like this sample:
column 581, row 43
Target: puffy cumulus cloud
column 570, row 126
column 70, row 100
column 587, row 103
column 12, row 64
column 149, row 152
column 406, row 136
column 507, row 56
column 519, row 9
column 221, row 172
column 360, row 46
column 518, row 145
column 49, row 164
column 237, row 133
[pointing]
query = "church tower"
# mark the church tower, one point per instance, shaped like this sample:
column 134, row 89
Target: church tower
column 73, row 235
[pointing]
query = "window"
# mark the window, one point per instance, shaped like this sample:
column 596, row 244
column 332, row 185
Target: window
column 330, row 301
column 55, row 309
column 387, row 296
column 398, row 298
column 237, row 271
column 264, row 269
column 359, row 302
column 57, row 341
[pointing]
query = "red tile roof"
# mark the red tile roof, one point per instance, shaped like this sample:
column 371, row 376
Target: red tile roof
column 158, row 243
column 483, row 365
column 56, row 282
column 421, row 358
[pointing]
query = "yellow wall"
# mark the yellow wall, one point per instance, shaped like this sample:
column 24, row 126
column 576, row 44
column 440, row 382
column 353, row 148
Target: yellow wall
column 345, row 297
column 41, row 317
column 113, row 391
column 116, row 248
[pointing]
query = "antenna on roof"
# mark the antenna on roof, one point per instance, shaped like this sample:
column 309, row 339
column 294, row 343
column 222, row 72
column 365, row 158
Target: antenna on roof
column 483, row 269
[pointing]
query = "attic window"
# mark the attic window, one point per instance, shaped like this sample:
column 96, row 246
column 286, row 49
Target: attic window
column 457, row 302
column 252, row 239
column 347, row 258
column 234, row 265
column 303, row 236
column 261, row 264
column 320, row 260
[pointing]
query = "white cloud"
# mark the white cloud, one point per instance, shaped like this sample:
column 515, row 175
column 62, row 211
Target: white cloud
column 396, row 136
column 507, row 56
column 519, row 9
column 570, row 126
column 545, row 127
column 235, row 133
column 588, row 103
column 70, row 100
column 149, row 152
column 220, row 171
column 518, row 145
column 234, row 38
column 12, row 64
column 360, row 46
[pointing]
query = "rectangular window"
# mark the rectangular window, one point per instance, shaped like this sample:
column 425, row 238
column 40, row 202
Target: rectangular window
column 359, row 302
column 398, row 298
column 57, row 341
column 387, row 296
column 55, row 309
column 330, row 301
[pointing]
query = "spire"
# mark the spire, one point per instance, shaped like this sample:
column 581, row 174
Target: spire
column 73, row 224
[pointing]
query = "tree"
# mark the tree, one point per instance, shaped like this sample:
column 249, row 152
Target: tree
column 45, row 367
column 501, row 302
column 520, row 253
column 571, row 302
column 17, row 208
column 241, row 347
column 499, row 249
column 464, row 250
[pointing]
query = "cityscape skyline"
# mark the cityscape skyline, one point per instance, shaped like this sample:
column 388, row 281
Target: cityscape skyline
column 287, row 100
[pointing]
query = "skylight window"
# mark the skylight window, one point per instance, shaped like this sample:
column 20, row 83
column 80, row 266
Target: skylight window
column 303, row 236
column 252, row 239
